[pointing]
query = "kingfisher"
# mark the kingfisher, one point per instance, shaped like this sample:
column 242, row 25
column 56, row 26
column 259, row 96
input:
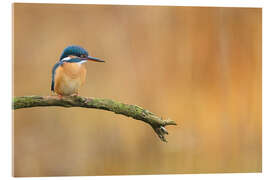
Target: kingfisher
column 69, row 73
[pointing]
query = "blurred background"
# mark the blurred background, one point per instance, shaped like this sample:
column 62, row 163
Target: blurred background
column 200, row 67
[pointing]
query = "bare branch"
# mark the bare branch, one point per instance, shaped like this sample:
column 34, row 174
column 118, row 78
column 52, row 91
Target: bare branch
column 136, row 112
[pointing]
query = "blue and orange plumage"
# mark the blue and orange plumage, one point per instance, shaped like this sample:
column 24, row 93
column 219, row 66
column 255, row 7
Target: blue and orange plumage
column 69, row 73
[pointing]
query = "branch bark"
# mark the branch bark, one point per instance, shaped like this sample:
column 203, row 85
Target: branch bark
column 134, row 111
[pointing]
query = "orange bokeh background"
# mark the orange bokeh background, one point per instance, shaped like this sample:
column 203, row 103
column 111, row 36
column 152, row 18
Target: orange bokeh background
column 199, row 66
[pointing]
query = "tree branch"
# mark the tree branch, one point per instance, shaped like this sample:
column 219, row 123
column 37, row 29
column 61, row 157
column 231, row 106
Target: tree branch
column 136, row 112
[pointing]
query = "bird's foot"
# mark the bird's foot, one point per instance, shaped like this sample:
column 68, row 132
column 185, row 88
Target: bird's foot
column 74, row 94
column 59, row 96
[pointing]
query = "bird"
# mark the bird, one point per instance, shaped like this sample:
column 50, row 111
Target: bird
column 69, row 73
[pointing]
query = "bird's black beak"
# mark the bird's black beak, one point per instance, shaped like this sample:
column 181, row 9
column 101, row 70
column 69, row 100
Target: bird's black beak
column 89, row 58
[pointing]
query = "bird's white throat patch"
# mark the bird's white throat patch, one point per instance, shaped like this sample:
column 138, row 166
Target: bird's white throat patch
column 81, row 62
column 66, row 59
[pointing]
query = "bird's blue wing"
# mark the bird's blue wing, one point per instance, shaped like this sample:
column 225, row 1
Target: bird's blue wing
column 59, row 63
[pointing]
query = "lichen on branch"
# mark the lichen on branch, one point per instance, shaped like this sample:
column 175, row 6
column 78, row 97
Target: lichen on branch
column 134, row 111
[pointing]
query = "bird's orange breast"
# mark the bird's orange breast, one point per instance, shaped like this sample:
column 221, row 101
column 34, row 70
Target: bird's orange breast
column 69, row 78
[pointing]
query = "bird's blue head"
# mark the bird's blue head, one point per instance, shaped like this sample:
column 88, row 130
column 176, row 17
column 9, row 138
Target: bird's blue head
column 78, row 53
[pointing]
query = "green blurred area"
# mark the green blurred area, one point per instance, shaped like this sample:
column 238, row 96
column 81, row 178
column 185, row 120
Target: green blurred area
column 200, row 67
